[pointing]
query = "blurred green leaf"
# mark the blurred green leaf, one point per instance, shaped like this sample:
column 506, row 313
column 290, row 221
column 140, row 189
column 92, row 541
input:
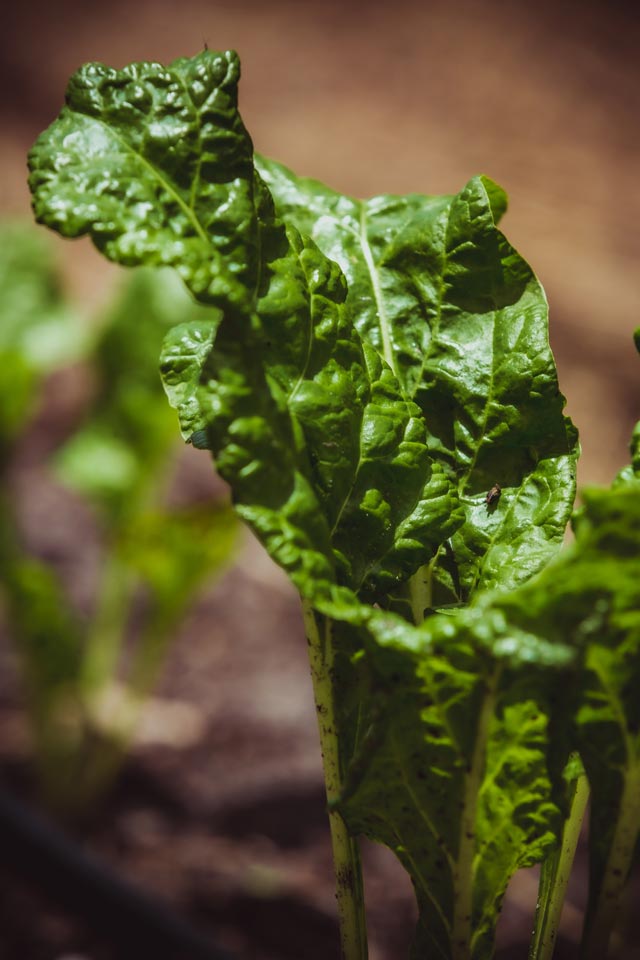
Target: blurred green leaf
column 120, row 453
column 36, row 319
column 174, row 553
column 17, row 397
column 39, row 332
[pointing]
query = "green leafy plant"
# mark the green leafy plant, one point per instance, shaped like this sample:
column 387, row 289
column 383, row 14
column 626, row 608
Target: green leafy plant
column 84, row 706
column 375, row 383
column 39, row 332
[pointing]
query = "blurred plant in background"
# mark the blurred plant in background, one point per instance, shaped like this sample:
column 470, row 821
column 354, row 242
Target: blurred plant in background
column 87, row 677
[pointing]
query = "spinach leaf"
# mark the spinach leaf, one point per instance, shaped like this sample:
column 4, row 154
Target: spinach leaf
column 606, row 708
column 155, row 164
column 329, row 463
column 465, row 724
column 453, row 773
column 461, row 319
column 589, row 598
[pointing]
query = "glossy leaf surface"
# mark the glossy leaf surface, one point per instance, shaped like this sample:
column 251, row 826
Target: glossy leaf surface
column 328, row 461
column 438, row 291
column 154, row 164
column 455, row 767
column 607, row 711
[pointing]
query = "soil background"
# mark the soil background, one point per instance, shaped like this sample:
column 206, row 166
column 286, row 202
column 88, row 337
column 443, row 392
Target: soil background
column 219, row 810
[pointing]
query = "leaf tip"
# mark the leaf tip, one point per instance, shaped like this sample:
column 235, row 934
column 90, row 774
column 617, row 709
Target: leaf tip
column 497, row 197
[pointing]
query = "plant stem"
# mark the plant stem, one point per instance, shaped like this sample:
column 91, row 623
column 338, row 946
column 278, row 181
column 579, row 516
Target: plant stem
column 346, row 856
column 602, row 917
column 461, row 930
column 421, row 589
column 105, row 640
column 555, row 873
column 420, row 592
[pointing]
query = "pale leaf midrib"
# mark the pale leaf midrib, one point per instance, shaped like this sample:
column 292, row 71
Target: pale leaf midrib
column 385, row 328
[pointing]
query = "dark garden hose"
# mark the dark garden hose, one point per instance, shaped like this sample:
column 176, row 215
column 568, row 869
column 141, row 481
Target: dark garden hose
column 136, row 924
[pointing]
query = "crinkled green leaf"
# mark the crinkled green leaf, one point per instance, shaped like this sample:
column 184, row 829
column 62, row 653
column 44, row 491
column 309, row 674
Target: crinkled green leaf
column 461, row 319
column 327, row 460
column 606, row 704
column 604, row 708
column 464, row 726
column 183, row 356
column 155, row 165
column 360, row 235
column 451, row 768
column 326, row 450
column 591, row 599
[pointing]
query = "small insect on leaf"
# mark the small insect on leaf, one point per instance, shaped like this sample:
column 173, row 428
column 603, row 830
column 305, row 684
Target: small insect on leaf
column 493, row 495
